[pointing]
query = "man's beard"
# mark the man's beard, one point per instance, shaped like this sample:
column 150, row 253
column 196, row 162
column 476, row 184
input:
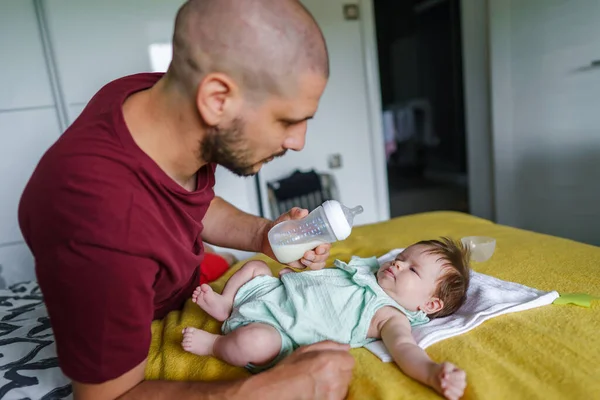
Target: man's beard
column 226, row 147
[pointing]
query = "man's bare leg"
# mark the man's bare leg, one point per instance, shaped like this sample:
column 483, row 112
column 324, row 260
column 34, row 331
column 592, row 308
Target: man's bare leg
column 255, row 343
column 219, row 305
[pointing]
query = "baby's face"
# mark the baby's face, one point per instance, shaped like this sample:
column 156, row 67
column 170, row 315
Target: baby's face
column 411, row 278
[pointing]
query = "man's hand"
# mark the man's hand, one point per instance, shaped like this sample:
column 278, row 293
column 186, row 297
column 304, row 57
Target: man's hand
column 320, row 371
column 448, row 380
column 226, row 226
column 314, row 259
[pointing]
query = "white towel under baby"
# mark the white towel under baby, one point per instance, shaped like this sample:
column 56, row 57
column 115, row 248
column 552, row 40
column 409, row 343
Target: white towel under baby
column 487, row 297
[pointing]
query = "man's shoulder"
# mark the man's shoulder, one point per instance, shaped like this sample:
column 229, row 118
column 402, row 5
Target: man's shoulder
column 98, row 168
column 96, row 155
column 124, row 86
column 103, row 113
column 77, row 189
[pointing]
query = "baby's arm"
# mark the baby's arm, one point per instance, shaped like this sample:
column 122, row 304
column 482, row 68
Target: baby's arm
column 445, row 378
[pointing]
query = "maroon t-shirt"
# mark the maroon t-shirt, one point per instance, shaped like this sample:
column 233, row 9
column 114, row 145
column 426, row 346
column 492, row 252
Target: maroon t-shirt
column 117, row 243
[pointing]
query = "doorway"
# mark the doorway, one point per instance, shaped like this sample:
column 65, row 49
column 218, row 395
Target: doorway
column 421, row 77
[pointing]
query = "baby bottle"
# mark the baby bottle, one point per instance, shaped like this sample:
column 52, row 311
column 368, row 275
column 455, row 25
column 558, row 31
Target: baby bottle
column 329, row 222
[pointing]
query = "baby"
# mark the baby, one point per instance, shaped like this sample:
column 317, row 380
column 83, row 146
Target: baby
column 266, row 318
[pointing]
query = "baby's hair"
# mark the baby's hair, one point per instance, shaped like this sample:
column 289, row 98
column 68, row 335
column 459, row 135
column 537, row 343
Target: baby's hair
column 453, row 284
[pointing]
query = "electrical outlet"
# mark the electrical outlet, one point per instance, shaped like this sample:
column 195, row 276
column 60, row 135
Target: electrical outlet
column 351, row 12
column 334, row 161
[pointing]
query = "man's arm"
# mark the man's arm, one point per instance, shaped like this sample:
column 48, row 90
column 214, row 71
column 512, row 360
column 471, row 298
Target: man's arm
column 131, row 386
column 319, row 371
column 227, row 226
column 162, row 390
column 445, row 378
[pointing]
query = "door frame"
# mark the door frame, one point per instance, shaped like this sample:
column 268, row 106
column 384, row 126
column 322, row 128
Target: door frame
column 478, row 84
column 375, row 123
column 475, row 25
column 373, row 92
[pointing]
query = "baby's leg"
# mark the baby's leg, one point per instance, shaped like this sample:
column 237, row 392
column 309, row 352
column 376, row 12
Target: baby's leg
column 255, row 343
column 285, row 271
column 219, row 305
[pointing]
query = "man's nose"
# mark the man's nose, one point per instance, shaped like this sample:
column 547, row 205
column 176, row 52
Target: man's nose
column 297, row 138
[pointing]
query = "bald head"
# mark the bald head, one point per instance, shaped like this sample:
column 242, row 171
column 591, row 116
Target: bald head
column 263, row 45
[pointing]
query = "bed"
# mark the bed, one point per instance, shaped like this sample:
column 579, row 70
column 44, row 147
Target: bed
column 551, row 352
column 28, row 363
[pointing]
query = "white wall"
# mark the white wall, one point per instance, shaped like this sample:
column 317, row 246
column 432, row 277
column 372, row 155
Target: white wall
column 343, row 122
column 28, row 126
column 546, row 123
column 91, row 43
column 98, row 41
column 89, row 55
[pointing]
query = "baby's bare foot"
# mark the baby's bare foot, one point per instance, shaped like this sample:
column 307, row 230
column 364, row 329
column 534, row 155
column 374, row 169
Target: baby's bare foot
column 198, row 342
column 213, row 303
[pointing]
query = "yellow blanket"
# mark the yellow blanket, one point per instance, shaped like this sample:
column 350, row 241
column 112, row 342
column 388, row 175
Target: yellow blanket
column 552, row 352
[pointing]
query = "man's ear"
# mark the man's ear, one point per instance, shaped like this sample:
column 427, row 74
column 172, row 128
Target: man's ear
column 218, row 98
column 432, row 305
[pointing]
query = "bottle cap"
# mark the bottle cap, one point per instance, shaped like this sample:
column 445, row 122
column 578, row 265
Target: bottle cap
column 340, row 218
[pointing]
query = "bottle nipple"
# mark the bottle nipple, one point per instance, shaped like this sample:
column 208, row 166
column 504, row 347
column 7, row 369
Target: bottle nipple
column 350, row 213
column 356, row 210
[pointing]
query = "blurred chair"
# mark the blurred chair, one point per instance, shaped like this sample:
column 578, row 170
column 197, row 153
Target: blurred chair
column 301, row 189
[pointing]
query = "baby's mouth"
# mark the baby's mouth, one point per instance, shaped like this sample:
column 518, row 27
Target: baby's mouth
column 389, row 271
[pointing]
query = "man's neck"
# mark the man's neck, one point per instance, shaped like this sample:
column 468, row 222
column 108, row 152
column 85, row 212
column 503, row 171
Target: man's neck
column 161, row 123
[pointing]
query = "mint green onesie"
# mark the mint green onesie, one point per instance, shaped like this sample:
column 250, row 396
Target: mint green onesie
column 308, row 307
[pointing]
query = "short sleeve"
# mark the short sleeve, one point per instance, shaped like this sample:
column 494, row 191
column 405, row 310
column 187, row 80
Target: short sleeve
column 369, row 265
column 366, row 266
column 100, row 303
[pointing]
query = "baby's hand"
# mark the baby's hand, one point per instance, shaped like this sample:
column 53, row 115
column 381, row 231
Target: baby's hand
column 448, row 380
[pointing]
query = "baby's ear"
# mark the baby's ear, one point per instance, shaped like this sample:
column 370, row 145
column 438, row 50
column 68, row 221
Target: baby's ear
column 432, row 305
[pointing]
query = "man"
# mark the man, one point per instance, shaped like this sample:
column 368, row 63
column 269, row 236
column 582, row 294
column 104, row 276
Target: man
column 116, row 211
